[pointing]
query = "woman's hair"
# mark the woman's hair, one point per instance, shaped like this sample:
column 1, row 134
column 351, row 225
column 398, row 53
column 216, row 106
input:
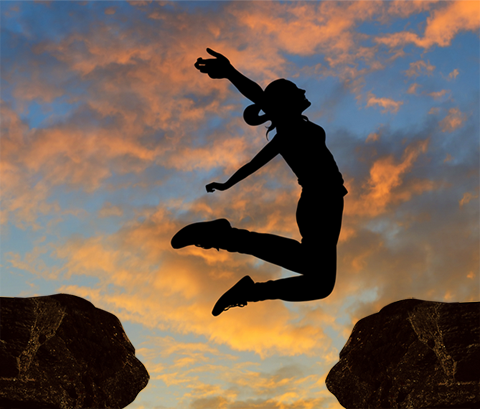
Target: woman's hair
column 275, row 95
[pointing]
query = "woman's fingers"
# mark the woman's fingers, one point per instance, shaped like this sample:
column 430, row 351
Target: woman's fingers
column 202, row 67
column 210, row 187
column 220, row 57
column 214, row 53
column 200, row 62
column 214, row 67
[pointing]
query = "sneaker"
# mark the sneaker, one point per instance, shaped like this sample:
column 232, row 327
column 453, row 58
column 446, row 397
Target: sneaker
column 203, row 234
column 235, row 297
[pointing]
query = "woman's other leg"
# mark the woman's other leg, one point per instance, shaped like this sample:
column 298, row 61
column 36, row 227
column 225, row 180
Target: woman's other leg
column 315, row 258
column 319, row 221
column 301, row 288
column 306, row 287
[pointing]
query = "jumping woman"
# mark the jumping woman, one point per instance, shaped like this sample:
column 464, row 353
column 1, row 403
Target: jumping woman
column 319, row 213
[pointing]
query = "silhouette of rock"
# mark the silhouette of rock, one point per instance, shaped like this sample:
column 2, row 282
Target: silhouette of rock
column 412, row 354
column 60, row 352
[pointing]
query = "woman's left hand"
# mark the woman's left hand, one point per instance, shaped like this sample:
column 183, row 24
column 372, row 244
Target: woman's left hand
column 218, row 67
column 211, row 187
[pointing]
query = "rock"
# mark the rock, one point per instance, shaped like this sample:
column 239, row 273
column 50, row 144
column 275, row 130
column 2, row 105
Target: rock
column 60, row 352
column 412, row 354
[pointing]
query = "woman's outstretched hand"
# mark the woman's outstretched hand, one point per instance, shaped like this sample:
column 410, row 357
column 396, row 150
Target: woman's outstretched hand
column 218, row 67
column 211, row 187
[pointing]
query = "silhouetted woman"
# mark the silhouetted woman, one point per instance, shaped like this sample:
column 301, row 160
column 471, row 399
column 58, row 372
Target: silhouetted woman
column 319, row 213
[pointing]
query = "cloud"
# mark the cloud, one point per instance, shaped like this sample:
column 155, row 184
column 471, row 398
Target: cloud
column 400, row 251
column 33, row 262
column 140, row 3
column 187, row 354
column 225, row 152
column 438, row 94
column 374, row 136
column 467, row 197
column 24, row 197
column 139, row 260
column 453, row 74
column 109, row 210
column 419, row 67
column 413, row 88
column 286, row 387
column 327, row 31
column 141, row 101
column 453, row 121
column 404, row 9
column 388, row 105
column 37, row 87
column 210, row 377
column 219, row 402
column 129, row 126
column 442, row 26
column 385, row 180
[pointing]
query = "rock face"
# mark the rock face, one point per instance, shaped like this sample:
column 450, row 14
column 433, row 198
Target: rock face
column 412, row 354
column 60, row 352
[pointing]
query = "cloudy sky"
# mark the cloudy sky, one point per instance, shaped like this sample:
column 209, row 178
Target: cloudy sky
column 109, row 136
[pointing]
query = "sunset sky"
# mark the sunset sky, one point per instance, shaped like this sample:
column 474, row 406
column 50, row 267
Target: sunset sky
column 109, row 136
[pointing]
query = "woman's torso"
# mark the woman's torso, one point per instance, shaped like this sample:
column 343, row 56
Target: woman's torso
column 302, row 145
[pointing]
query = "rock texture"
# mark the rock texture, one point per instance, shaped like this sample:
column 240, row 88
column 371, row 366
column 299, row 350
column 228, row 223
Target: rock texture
column 60, row 352
column 412, row 354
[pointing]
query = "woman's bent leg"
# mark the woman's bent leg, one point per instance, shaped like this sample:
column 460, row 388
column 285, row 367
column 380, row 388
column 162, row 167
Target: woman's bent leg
column 314, row 284
column 319, row 221
column 302, row 288
column 295, row 289
column 315, row 258
column 281, row 251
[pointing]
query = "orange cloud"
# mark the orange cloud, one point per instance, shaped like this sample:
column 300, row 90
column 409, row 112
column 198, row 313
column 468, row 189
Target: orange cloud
column 438, row 94
column 388, row 105
column 442, row 26
column 171, row 289
column 37, row 87
column 23, row 196
column 419, row 67
column 109, row 210
column 453, row 74
column 374, row 136
column 308, row 29
column 146, row 107
column 139, row 84
column 404, row 9
column 453, row 121
column 386, row 177
column 467, row 197
column 140, row 3
column 385, row 174
column 413, row 88
column 225, row 152
column 213, row 378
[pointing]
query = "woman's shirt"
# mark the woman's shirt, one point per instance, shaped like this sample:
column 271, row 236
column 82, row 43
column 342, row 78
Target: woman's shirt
column 303, row 147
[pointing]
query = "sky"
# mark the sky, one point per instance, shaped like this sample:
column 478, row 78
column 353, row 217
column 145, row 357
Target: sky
column 109, row 136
